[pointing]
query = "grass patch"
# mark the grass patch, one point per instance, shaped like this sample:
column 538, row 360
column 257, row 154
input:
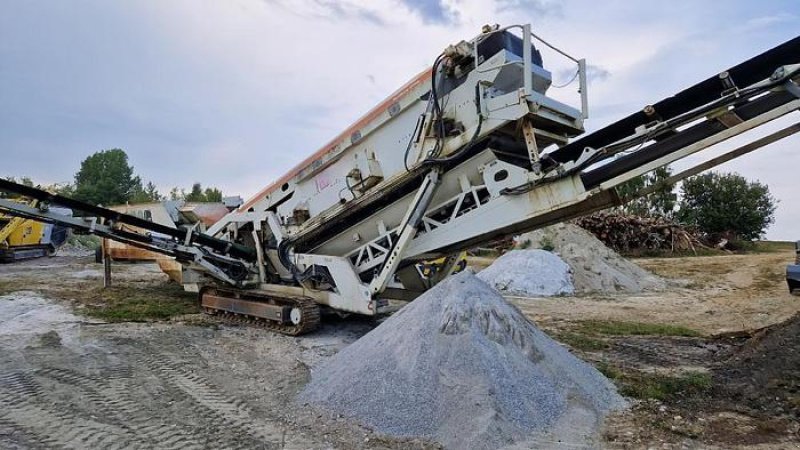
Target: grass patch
column 664, row 387
column 84, row 240
column 581, row 341
column 645, row 386
column 772, row 246
column 138, row 304
column 610, row 372
column 616, row 328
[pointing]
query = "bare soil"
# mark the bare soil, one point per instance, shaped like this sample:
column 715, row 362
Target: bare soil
column 709, row 294
column 748, row 351
column 78, row 379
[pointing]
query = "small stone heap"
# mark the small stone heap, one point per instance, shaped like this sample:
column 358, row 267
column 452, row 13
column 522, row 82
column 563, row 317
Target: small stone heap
column 461, row 366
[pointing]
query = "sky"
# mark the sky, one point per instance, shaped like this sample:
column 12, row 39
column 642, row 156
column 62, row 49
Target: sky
column 234, row 93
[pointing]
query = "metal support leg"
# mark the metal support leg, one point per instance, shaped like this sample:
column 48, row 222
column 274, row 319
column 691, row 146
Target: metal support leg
column 530, row 142
column 408, row 230
column 262, row 274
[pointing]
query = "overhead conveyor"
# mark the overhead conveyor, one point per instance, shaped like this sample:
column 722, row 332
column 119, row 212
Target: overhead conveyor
column 703, row 94
column 468, row 151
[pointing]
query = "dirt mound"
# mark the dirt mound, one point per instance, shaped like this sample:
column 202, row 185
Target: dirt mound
column 765, row 370
column 595, row 267
column 463, row 367
column 529, row 273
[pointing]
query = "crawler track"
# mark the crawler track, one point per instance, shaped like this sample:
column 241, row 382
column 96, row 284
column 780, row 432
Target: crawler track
column 308, row 309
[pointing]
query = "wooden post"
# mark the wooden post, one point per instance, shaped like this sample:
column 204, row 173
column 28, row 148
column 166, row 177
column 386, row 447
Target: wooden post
column 106, row 264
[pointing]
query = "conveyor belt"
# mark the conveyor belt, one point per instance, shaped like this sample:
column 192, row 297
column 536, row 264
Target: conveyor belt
column 747, row 73
column 682, row 139
column 219, row 245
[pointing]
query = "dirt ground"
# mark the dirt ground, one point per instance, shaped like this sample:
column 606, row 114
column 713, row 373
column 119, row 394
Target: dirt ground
column 710, row 294
column 713, row 305
column 75, row 374
column 72, row 381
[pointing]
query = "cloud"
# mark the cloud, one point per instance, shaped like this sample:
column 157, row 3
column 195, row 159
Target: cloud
column 596, row 73
column 761, row 22
column 330, row 10
column 541, row 8
column 432, row 11
column 235, row 93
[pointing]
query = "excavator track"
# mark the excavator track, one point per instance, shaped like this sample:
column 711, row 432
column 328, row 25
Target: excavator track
column 292, row 316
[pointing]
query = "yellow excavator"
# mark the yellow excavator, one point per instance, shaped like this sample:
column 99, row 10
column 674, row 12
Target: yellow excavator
column 22, row 238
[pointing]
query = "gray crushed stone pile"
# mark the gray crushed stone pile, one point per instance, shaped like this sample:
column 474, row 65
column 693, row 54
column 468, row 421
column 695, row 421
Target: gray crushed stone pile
column 595, row 267
column 529, row 273
column 461, row 366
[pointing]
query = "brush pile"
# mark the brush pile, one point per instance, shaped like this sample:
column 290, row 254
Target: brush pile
column 635, row 235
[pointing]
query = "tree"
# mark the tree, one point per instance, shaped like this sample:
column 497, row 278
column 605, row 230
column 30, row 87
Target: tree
column 213, row 195
column 147, row 194
column 106, row 178
column 197, row 194
column 176, row 194
column 659, row 203
column 727, row 204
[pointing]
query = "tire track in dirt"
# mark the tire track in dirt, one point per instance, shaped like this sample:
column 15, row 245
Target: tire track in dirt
column 131, row 407
column 218, row 407
column 110, row 392
column 26, row 408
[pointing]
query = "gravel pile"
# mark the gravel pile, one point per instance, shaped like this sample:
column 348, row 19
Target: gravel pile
column 595, row 267
column 534, row 273
column 463, row 367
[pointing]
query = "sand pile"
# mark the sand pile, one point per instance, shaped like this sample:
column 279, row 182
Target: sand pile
column 463, row 367
column 529, row 273
column 595, row 267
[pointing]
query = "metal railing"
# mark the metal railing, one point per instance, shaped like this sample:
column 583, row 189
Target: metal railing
column 527, row 60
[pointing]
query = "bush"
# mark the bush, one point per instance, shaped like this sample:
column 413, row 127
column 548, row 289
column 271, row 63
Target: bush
column 727, row 205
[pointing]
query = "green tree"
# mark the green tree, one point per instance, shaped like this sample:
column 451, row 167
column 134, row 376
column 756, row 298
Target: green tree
column 727, row 204
column 176, row 194
column 213, row 195
column 146, row 194
column 196, row 194
column 106, row 178
column 661, row 202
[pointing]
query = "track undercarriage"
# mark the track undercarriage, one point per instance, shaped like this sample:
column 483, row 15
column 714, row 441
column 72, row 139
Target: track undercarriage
column 292, row 316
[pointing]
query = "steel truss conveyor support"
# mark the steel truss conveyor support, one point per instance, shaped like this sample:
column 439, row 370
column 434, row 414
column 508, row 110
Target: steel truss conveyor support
column 220, row 259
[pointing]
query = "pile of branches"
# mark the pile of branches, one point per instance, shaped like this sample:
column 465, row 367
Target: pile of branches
column 636, row 235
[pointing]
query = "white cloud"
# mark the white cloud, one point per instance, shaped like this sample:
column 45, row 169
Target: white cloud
column 234, row 93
